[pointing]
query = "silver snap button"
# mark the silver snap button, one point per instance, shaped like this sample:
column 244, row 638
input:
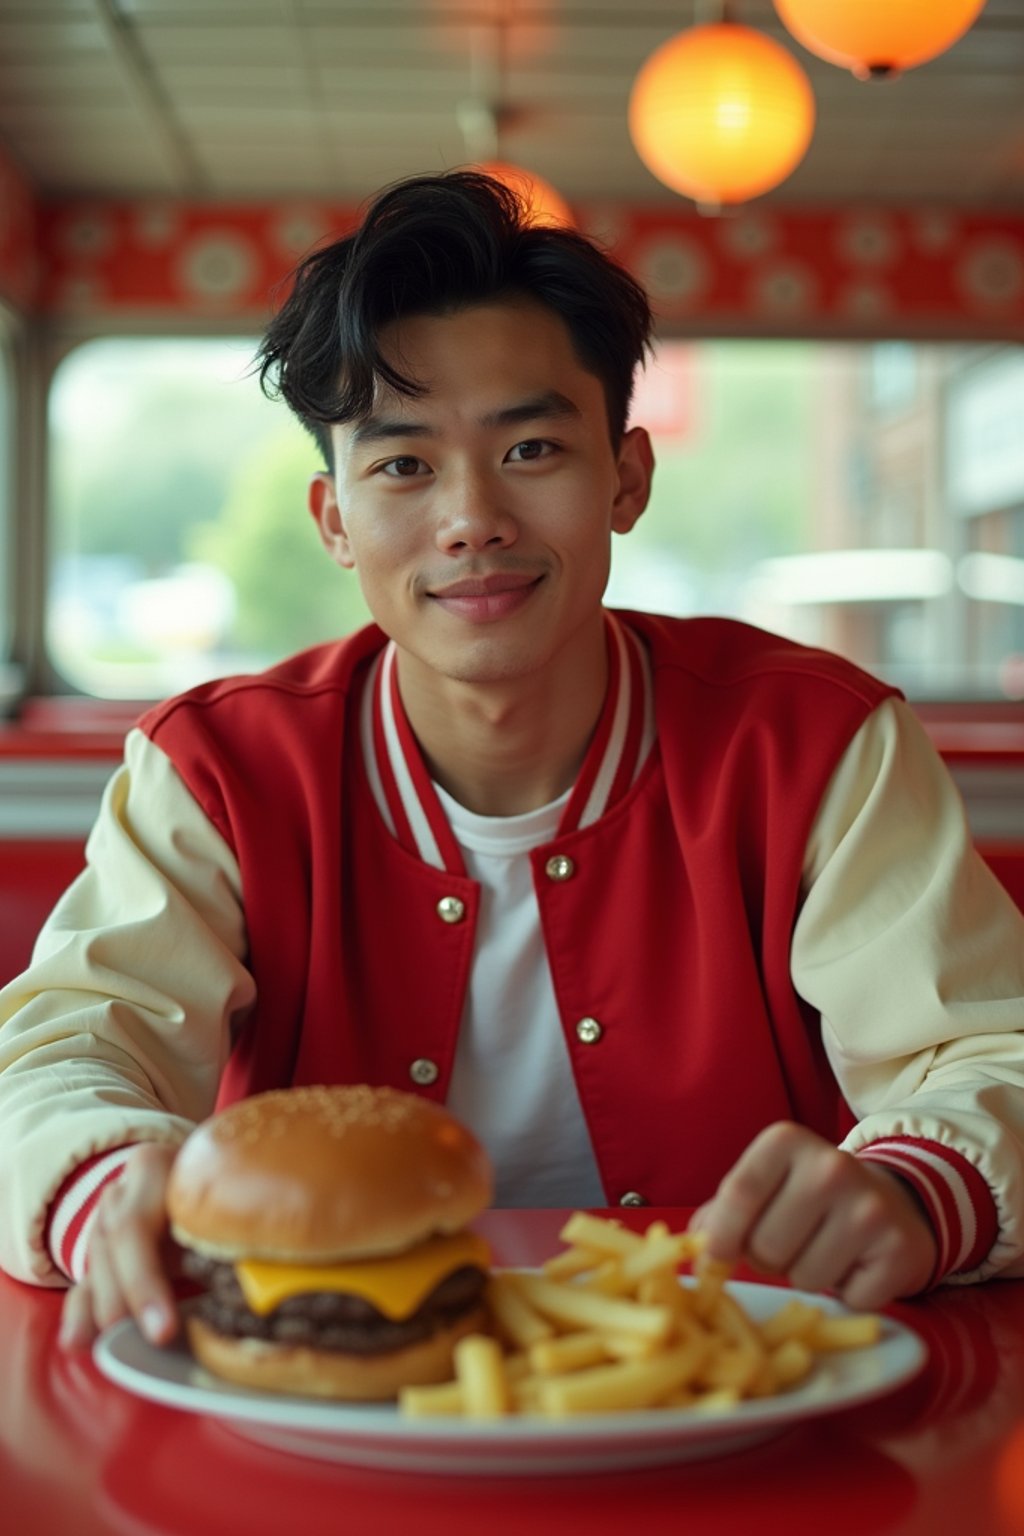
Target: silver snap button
column 632, row 1198
column 424, row 1071
column 559, row 867
column 589, row 1031
column 451, row 910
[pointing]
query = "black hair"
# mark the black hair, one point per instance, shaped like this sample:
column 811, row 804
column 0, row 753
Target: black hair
column 432, row 245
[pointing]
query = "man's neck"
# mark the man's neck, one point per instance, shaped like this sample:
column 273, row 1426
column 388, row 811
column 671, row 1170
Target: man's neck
column 501, row 749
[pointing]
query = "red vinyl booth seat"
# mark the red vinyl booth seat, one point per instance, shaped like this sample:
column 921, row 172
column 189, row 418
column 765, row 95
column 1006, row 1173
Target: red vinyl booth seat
column 32, row 876
column 1007, row 862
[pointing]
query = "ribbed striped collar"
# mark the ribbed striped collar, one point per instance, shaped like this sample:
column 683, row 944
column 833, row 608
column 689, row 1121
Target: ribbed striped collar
column 405, row 793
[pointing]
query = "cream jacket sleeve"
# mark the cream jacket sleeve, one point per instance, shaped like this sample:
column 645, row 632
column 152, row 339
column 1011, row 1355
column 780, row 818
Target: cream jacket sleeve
column 913, row 953
column 119, row 1030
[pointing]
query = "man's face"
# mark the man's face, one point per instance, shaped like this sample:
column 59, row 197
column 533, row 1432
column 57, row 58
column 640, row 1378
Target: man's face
column 478, row 515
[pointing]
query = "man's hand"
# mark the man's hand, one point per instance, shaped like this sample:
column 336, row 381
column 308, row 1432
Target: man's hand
column 795, row 1205
column 129, row 1252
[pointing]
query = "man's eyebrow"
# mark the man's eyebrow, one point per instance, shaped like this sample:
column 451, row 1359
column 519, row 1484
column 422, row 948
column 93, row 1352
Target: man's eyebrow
column 377, row 429
column 550, row 405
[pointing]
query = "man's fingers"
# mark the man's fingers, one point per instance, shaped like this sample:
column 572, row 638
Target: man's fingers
column 794, row 1204
column 754, row 1181
column 830, row 1255
column 131, row 1224
column 818, row 1220
column 126, row 1272
column 77, row 1324
column 870, row 1286
column 108, row 1304
column 142, row 1287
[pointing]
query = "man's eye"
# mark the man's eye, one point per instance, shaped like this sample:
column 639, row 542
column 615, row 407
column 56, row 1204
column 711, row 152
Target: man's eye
column 403, row 468
column 531, row 448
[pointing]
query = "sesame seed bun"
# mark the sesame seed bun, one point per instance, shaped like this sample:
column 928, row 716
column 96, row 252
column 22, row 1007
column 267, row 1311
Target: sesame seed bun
column 326, row 1174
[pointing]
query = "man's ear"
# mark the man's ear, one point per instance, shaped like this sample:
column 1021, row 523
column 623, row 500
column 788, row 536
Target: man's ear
column 326, row 513
column 635, row 466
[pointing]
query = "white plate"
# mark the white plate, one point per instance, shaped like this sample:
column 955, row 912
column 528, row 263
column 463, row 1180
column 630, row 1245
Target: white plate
column 377, row 1436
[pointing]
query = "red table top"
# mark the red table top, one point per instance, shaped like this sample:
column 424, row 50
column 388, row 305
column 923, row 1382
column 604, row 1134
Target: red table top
column 945, row 1453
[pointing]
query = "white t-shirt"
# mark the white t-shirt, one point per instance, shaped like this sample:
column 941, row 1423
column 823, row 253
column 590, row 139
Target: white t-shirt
column 511, row 1082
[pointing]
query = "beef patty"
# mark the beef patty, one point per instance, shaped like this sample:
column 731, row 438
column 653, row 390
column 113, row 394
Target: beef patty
column 327, row 1319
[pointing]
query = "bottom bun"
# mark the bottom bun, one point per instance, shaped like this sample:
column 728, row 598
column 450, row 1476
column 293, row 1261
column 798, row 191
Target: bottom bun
column 326, row 1372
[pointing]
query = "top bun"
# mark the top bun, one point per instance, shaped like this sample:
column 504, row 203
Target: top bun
column 323, row 1175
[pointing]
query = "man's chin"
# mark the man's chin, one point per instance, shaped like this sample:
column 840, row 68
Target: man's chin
column 484, row 659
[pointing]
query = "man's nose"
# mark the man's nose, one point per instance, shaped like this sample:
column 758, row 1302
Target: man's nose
column 475, row 515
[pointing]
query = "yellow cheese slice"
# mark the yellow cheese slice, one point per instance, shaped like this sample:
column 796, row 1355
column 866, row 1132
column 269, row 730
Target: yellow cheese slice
column 396, row 1286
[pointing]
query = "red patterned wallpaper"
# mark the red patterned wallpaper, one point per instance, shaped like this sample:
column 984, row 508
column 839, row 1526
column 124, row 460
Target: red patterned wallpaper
column 855, row 271
column 863, row 271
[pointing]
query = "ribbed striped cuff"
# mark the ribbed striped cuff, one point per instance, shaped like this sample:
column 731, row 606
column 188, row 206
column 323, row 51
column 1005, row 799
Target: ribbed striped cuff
column 73, row 1210
column 956, row 1198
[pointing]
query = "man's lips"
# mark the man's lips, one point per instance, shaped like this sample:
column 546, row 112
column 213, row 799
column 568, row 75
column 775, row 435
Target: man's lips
column 483, row 598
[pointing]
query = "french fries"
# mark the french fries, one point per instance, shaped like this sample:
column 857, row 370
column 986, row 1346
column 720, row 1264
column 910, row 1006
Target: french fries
column 605, row 1327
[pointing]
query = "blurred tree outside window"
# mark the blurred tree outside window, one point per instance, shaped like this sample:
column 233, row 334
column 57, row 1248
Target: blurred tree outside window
column 181, row 547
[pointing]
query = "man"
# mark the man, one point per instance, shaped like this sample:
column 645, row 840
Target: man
column 669, row 911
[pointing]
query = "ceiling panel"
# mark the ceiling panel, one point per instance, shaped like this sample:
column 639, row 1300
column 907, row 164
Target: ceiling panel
column 237, row 98
column 222, row 47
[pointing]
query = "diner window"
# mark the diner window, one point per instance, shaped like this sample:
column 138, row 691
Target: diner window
column 181, row 547
column 863, row 499
column 883, row 520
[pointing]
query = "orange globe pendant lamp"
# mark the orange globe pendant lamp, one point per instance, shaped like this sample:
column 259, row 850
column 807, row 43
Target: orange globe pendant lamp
column 721, row 113
column 546, row 205
column 878, row 38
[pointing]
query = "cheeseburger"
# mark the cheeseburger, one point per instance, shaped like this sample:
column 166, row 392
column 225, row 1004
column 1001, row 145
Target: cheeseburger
column 327, row 1227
